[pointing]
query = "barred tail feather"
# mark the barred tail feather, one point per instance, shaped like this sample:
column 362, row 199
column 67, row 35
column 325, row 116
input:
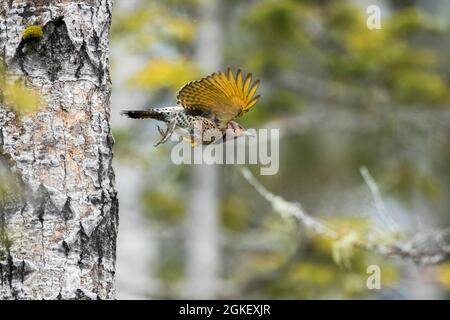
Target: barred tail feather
column 143, row 114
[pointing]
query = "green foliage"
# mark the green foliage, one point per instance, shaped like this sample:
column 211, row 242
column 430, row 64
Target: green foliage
column 235, row 213
column 411, row 21
column 33, row 33
column 443, row 275
column 343, row 250
column 164, row 73
column 8, row 184
column 420, row 87
column 15, row 94
column 387, row 59
column 310, row 272
column 164, row 206
column 334, row 39
column 155, row 22
column 23, row 100
column 409, row 182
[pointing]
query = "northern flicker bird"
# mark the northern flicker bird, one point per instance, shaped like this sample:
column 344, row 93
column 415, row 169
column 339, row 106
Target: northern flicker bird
column 206, row 109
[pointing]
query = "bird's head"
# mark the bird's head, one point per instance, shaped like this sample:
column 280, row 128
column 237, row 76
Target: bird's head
column 234, row 130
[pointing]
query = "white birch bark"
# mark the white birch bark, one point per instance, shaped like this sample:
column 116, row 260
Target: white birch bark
column 203, row 247
column 59, row 235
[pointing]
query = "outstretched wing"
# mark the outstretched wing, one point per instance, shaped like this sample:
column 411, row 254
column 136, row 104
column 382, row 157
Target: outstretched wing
column 225, row 96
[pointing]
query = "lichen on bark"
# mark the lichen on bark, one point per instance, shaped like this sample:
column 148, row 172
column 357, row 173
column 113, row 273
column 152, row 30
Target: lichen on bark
column 58, row 235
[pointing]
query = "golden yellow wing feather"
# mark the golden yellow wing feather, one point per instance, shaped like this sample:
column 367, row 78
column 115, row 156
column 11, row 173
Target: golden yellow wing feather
column 222, row 94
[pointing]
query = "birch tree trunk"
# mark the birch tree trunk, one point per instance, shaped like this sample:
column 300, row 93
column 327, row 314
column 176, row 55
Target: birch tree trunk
column 59, row 233
column 203, row 245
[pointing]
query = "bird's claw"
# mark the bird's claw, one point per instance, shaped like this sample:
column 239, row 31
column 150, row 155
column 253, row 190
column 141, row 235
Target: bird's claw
column 165, row 134
column 161, row 131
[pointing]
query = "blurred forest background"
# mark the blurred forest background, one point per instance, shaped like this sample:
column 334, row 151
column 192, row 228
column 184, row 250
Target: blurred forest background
column 343, row 97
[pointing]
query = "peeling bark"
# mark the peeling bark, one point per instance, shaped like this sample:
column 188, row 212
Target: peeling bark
column 58, row 235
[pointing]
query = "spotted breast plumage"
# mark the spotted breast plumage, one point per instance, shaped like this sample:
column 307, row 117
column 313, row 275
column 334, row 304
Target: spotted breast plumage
column 206, row 108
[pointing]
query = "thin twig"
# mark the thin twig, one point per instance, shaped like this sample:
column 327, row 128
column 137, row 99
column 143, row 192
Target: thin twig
column 379, row 204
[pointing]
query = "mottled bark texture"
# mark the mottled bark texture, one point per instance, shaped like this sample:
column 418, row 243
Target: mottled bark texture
column 58, row 235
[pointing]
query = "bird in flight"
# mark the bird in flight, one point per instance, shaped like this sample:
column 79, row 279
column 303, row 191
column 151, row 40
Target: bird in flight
column 206, row 109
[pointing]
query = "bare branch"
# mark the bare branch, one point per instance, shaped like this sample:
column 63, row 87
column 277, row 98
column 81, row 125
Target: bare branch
column 288, row 209
column 418, row 251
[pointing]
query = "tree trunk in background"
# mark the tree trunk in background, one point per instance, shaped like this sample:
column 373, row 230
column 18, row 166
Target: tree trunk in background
column 59, row 236
column 203, row 248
